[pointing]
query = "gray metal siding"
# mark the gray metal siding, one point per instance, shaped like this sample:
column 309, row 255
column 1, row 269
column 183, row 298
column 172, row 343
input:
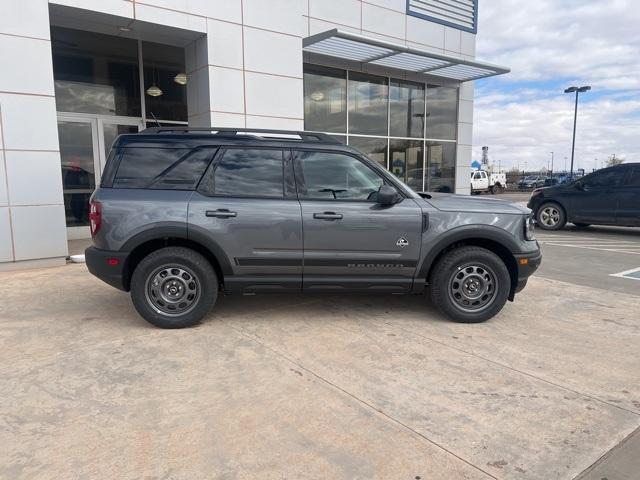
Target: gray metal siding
column 461, row 14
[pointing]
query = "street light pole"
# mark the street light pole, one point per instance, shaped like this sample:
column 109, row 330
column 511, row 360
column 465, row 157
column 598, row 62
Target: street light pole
column 552, row 164
column 577, row 90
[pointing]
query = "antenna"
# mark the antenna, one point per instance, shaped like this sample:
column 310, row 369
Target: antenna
column 155, row 119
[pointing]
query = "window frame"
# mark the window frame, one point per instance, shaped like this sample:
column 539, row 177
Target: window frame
column 206, row 185
column 370, row 164
column 620, row 170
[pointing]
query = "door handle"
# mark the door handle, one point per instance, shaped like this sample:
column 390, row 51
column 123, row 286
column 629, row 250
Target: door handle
column 221, row 213
column 327, row 216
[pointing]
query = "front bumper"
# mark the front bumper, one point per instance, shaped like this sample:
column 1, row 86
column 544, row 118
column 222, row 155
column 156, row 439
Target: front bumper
column 527, row 263
column 108, row 266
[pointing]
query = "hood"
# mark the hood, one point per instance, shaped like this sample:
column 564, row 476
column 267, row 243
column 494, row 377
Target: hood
column 470, row 203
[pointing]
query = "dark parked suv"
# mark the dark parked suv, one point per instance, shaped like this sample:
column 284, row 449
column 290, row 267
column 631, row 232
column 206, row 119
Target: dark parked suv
column 184, row 214
column 610, row 196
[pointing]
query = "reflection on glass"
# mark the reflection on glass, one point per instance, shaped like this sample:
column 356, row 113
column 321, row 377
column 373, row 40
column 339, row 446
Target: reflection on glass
column 164, row 67
column 334, row 176
column 368, row 102
column 441, row 161
column 111, row 132
column 407, row 162
column 78, row 170
column 95, row 73
column 442, row 112
column 374, row 148
column 249, row 172
column 406, row 109
column 325, row 99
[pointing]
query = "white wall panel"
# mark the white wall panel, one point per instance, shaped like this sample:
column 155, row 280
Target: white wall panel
column 162, row 16
column 383, row 21
column 274, row 96
column 33, row 224
column 344, row 12
column 271, row 52
column 29, row 122
column 283, row 16
column 6, row 242
column 224, row 42
column 427, row 33
column 34, row 178
column 274, row 122
column 452, row 39
column 28, row 18
column 226, row 90
column 4, row 198
column 27, row 64
column 119, row 8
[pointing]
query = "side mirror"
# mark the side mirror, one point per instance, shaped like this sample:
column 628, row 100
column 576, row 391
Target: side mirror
column 387, row 195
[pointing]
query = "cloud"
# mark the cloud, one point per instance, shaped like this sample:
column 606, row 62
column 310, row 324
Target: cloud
column 549, row 45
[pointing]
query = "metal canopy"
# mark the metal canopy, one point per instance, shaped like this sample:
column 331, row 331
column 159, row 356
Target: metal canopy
column 359, row 48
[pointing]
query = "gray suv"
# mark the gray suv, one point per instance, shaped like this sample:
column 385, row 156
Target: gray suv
column 185, row 214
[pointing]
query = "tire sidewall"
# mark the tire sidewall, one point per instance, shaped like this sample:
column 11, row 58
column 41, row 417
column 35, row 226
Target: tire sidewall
column 174, row 256
column 560, row 223
column 449, row 264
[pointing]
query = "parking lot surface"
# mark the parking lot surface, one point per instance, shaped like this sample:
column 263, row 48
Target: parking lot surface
column 315, row 386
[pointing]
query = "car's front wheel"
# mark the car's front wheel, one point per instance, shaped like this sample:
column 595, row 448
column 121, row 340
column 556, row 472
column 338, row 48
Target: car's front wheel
column 470, row 284
column 550, row 216
column 174, row 287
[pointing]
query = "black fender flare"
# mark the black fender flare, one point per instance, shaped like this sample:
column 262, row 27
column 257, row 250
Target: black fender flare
column 467, row 232
column 161, row 230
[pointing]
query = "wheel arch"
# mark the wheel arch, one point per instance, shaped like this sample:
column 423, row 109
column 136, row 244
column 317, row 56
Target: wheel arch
column 149, row 241
column 491, row 238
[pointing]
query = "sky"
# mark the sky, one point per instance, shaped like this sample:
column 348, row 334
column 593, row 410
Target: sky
column 550, row 45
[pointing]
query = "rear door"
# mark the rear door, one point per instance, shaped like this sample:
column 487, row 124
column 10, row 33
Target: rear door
column 629, row 198
column 246, row 207
column 350, row 241
column 594, row 199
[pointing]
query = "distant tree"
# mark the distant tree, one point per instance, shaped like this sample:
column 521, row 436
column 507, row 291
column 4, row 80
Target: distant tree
column 614, row 160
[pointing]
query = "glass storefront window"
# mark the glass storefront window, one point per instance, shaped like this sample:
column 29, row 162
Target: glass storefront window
column 441, row 161
column 406, row 109
column 368, row 103
column 95, row 73
column 442, row 112
column 325, row 99
column 165, row 81
column 374, row 148
column 406, row 161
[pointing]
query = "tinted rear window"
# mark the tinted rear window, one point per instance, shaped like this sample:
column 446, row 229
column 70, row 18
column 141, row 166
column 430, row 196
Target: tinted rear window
column 249, row 172
column 161, row 168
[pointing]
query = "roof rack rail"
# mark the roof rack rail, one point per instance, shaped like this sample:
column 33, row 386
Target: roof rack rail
column 226, row 131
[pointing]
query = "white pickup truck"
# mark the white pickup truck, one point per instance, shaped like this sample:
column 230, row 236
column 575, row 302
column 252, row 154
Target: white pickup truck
column 483, row 181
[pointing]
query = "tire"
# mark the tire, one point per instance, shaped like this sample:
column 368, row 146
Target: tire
column 174, row 287
column 582, row 225
column 485, row 275
column 550, row 216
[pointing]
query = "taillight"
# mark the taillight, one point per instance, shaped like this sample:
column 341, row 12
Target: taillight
column 95, row 217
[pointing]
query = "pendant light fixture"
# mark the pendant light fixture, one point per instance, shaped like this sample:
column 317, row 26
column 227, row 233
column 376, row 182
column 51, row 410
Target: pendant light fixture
column 154, row 90
column 180, row 78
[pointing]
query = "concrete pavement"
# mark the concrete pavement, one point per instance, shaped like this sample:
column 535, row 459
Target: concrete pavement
column 312, row 386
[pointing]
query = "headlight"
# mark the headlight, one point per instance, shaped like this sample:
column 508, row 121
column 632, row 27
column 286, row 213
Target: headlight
column 529, row 228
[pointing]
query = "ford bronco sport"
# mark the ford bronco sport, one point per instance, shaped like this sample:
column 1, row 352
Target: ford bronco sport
column 183, row 214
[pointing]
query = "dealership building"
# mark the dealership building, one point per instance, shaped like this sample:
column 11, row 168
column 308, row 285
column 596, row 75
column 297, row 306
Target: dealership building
column 393, row 78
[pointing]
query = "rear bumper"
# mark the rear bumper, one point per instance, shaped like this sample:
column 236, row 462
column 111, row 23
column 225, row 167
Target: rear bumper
column 527, row 263
column 108, row 266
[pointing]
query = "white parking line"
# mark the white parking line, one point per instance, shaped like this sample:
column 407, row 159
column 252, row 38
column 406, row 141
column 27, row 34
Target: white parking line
column 590, row 242
column 633, row 274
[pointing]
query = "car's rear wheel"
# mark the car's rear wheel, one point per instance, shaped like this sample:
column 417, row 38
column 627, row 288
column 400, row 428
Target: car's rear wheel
column 550, row 216
column 174, row 287
column 470, row 284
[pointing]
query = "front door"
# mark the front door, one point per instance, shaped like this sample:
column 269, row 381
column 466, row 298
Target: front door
column 594, row 199
column 246, row 210
column 85, row 141
column 350, row 241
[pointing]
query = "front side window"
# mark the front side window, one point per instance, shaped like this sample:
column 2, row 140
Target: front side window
column 605, row 178
column 249, row 173
column 334, row 176
column 634, row 179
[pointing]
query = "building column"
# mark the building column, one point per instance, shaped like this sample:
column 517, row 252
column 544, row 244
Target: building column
column 32, row 216
column 465, row 139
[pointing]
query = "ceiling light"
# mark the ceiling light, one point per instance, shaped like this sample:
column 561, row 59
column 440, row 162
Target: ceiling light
column 181, row 78
column 124, row 29
column 317, row 96
column 154, row 91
